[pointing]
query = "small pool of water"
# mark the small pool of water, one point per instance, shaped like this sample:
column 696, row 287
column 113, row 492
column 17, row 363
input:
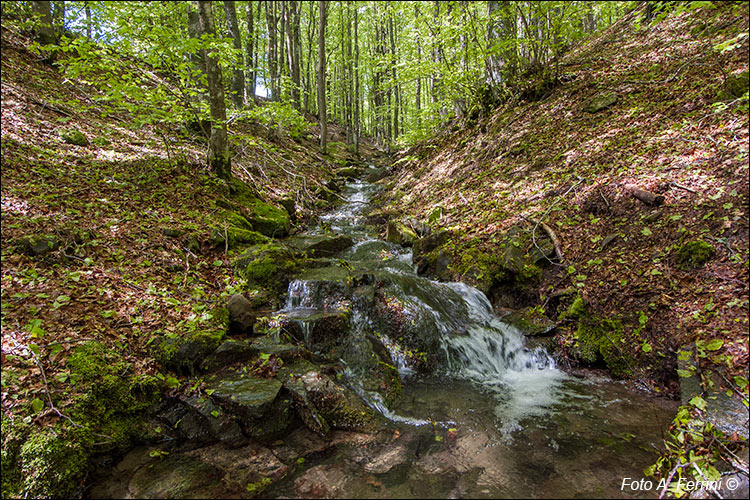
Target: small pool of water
column 596, row 433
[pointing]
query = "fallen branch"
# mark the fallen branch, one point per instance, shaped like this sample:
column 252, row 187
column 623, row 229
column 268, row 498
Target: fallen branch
column 646, row 197
column 678, row 186
column 552, row 236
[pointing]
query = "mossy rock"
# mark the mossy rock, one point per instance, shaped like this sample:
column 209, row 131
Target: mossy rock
column 269, row 265
column 35, row 246
column 236, row 237
column 599, row 339
column 694, row 254
column 269, row 220
column 737, row 85
column 400, row 234
column 600, row 102
column 185, row 354
column 73, row 136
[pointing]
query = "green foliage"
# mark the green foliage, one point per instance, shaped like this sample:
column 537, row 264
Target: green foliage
column 280, row 114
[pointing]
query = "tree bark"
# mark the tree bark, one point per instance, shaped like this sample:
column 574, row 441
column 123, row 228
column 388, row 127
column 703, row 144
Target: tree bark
column 250, row 54
column 322, row 76
column 218, row 151
column 45, row 34
column 271, row 23
column 356, row 83
column 238, row 75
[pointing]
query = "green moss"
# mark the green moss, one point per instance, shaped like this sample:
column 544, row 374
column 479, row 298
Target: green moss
column 530, row 274
column 73, row 136
column 53, row 464
column 109, row 412
column 694, row 254
column 267, row 265
column 599, row 339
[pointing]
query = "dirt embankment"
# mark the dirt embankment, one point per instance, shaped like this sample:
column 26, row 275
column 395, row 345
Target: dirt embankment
column 636, row 162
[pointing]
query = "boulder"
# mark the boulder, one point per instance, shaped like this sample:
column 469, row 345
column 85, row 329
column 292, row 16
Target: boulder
column 35, row 246
column 269, row 265
column 600, row 102
column 256, row 403
column 374, row 174
column 229, row 352
column 73, row 136
column 241, row 314
column 320, row 245
column 400, row 234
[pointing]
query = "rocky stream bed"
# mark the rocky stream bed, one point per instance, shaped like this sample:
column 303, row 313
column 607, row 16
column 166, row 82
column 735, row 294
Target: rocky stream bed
column 374, row 381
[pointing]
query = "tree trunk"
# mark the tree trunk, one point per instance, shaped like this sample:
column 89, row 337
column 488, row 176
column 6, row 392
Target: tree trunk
column 250, row 59
column 45, row 34
column 322, row 76
column 419, row 64
column 271, row 22
column 218, row 152
column 58, row 16
column 356, row 84
column 238, row 75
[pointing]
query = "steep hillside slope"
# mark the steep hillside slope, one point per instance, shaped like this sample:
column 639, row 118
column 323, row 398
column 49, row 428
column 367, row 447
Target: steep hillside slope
column 662, row 108
column 116, row 242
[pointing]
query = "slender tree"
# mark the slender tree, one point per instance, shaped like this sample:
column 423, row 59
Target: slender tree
column 322, row 75
column 218, row 151
column 238, row 74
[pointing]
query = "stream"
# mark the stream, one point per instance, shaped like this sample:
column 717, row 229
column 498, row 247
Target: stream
column 460, row 404
column 496, row 418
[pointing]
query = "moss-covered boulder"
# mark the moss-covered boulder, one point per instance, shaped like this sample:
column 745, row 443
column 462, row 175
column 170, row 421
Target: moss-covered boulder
column 184, row 354
column 270, row 266
column 599, row 340
column 73, row 136
column 38, row 245
column 320, row 245
column 269, row 220
column 400, row 234
column 600, row 102
column 242, row 314
column 694, row 254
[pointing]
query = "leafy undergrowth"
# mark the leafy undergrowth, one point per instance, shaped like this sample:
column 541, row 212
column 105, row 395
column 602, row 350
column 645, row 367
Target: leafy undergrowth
column 129, row 221
column 671, row 131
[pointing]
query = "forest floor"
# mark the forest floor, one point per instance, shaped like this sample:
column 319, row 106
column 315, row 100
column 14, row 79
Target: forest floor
column 677, row 126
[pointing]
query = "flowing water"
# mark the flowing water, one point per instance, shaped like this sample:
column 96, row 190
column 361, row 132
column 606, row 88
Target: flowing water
column 496, row 418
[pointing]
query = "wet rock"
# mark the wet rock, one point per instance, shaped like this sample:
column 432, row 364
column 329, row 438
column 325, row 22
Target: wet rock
column 176, row 476
column 255, row 402
column 218, row 423
column 290, row 207
column 35, row 246
column 322, row 245
column 241, row 314
column 429, row 243
column 421, row 229
column 229, row 352
column 320, row 330
column 388, row 459
column 601, row 102
column 323, row 481
column 376, row 174
column 185, row 354
column 400, row 234
column 529, row 322
column 349, row 173
column 289, row 353
column 269, row 220
column 339, row 406
column 248, row 470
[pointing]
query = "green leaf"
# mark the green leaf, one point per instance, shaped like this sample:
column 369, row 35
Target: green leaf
column 215, row 414
column 647, row 348
column 218, row 263
column 685, row 373
column 646, row 231
column 698, row 402
column 37, row 405
column 714, row 344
